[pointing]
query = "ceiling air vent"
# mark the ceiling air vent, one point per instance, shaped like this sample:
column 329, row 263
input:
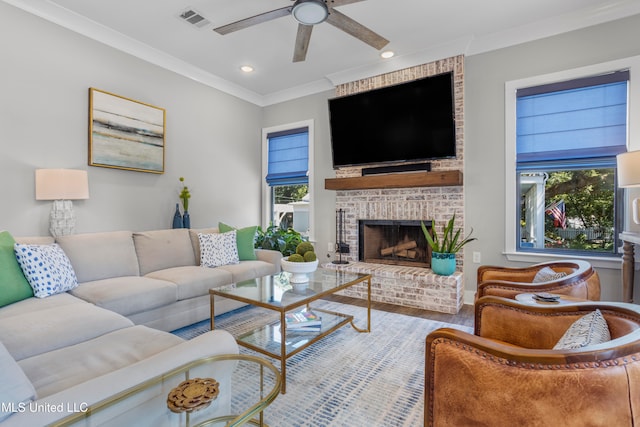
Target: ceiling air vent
column 194, row 18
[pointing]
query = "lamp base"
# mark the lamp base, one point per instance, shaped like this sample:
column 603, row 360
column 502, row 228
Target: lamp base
column 62, row 219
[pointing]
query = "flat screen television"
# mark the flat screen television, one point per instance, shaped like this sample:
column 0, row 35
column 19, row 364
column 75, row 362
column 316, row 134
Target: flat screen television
column 406, row 122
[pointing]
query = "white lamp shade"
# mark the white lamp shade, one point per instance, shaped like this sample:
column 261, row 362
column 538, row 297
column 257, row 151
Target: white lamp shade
column 61, row 184
column 629, row 169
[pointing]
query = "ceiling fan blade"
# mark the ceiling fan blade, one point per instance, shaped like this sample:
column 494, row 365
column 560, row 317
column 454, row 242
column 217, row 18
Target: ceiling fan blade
column 302, row 42
column 254, row 20
column 336, row 3
column 357, row 30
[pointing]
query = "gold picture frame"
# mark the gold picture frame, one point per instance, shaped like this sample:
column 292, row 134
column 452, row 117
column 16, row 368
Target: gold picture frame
column 125, row 134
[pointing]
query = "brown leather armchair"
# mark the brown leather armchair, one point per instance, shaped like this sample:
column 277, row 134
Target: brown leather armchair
column 581, row 281
column 507, row 374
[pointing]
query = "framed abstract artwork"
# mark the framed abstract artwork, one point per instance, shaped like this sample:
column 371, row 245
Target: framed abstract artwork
column 125, row 134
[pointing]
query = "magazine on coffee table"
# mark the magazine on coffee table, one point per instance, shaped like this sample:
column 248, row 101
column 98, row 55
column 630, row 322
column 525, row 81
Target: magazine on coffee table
column 303, row 320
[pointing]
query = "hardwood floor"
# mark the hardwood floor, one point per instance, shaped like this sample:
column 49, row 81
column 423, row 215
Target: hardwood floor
column 464, row 317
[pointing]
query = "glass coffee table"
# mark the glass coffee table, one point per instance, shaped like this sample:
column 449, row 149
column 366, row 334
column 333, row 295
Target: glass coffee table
column 276, row 293
column 250, row 384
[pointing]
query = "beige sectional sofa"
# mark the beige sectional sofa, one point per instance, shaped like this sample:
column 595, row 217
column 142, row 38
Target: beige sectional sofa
column 154, row 278
column 108, row 333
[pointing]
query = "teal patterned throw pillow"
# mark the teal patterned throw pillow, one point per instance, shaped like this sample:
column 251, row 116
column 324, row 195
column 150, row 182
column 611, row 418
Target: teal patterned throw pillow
column 47, row 268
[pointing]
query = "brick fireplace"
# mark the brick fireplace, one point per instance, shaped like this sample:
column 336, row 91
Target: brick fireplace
column 407, row 285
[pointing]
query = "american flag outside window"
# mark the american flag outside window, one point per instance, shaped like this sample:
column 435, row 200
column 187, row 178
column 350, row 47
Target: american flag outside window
column 557, row 211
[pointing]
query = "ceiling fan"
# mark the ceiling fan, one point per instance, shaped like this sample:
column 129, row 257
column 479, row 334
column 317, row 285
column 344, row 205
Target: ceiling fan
column 309, row 13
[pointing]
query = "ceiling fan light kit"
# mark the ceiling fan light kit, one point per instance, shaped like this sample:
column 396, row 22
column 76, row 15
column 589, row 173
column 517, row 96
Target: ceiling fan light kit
column 310, row 12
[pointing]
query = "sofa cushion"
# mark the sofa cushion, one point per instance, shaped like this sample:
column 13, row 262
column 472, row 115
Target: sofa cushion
column 588, row 330
column 127, row 295
column 15, row 388
column 193, row 282
column 47, row 268
column 245, row 240
column 14, row 286
column 63, row 368
column 246, row 270
column 36, row 332
column 96, row 256
column 218, row 249
column 33, row 305
column 162, row 249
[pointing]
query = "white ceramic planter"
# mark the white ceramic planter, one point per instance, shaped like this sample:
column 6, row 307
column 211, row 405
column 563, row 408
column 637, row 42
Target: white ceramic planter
column 299, row 270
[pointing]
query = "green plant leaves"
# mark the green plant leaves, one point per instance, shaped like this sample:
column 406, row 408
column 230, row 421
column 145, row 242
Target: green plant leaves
column 450, row 242
column 278, row 239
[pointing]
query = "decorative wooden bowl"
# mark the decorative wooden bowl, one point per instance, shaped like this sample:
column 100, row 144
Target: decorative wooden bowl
column 193, row 395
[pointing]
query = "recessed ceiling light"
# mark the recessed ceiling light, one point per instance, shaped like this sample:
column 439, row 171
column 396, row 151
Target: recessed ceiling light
column 247, row 68
column 387, row 54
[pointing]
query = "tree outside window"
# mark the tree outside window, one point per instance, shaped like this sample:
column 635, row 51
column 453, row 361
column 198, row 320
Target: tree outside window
column 579, row 210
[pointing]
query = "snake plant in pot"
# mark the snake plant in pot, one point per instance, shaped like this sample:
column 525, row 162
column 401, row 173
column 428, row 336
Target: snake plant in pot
column 445, row 247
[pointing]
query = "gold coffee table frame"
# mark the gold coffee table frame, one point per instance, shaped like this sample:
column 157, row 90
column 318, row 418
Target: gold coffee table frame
column 247, row 417
column 270, row 339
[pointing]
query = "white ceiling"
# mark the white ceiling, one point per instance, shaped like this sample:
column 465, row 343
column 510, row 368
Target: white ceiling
column 419, row 31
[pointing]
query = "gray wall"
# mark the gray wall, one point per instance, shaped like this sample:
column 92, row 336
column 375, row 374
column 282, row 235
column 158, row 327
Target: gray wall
column 212, row 139
column 485, row 77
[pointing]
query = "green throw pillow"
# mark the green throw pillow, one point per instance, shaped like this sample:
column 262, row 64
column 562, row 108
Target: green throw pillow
column 245, row 238
column 14, row 286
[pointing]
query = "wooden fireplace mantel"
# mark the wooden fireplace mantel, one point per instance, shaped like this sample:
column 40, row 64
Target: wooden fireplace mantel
column 398, row 180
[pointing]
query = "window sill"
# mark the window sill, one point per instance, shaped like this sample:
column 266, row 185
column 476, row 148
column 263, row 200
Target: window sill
column 612, row 263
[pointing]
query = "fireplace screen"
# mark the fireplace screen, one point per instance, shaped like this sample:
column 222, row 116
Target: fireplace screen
column 393, row 242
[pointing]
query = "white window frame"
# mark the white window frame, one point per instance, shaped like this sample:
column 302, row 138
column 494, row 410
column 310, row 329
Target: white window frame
column 633, row 109
column 266, row 190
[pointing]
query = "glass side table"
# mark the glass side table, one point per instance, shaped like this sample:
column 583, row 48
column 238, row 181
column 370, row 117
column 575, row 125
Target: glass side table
column 255, row 383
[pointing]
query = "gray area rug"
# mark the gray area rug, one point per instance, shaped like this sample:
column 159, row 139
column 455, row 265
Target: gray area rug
column 347, row 378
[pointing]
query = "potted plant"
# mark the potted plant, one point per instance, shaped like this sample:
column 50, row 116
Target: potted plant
column 444, row 248
column 278, row 239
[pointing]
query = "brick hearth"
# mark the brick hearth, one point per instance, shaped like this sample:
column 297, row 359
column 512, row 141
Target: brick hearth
column 407, row 286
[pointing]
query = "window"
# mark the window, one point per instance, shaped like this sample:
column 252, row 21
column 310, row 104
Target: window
column 567, row 137
column 287, row 177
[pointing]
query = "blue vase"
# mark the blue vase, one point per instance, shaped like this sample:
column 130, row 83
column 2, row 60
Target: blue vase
column 443, row 264
column 177, row 218
column 186, row 220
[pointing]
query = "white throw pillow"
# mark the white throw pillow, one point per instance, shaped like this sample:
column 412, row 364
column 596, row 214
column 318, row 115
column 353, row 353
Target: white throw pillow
column 47, row 268
column 218, row 249
column 15, row 388
column 588, row 330
column 547, row 274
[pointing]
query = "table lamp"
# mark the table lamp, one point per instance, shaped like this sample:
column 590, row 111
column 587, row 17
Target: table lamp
column 629, row 176
column 62, row 186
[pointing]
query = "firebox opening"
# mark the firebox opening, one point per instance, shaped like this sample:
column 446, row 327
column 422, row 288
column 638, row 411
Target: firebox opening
column 394, row 242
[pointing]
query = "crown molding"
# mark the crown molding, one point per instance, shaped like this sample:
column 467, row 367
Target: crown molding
column 86, row 27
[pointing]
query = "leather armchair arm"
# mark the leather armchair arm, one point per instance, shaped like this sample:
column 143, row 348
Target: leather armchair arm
column 510, row 274
column 581, row 281
column 471, row 380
